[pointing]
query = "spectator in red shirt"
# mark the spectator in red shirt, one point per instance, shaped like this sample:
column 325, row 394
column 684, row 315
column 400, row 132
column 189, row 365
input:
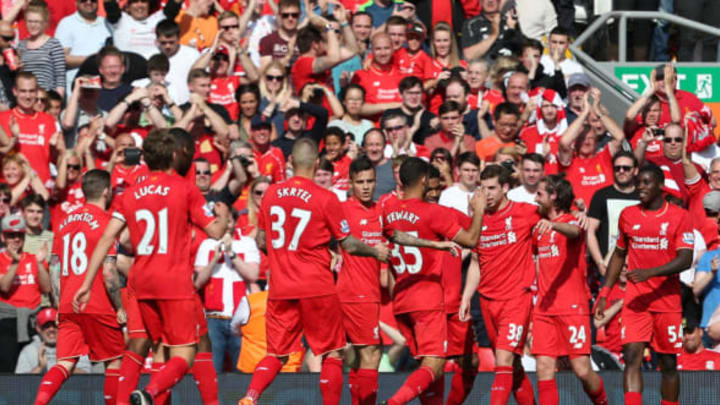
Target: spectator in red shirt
column 688, row 102
column 452, row 135
column 270, row 159
column 694, row 356
column 318, row 53
column 381, row 79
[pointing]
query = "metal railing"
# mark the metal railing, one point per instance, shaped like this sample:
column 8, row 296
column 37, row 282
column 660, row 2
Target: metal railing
column 590, row 64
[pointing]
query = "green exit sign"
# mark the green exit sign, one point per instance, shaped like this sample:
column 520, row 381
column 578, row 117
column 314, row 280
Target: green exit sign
column 704, row 82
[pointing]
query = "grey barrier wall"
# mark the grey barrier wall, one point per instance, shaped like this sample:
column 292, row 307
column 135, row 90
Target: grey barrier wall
column 698, row 388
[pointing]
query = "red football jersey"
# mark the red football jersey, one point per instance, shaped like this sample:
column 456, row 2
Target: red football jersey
column 25, row 290
column 590, row 174
column 62, row 202
column 359, row 279
column 381, row 86
column 33, row 141
column 411, row 65
column 652, row 239
column 222, row 92
column 302, row 74
column 706, row 360
column 341, row 173
column 562, row 275
column 121, row 178
column 299, row 218
column 505, row 248
column 534, row 140
column 204, row 148
column 159, row 213
column 271, row 163
column 75, row 239
column 452, row 270
column 418, row 271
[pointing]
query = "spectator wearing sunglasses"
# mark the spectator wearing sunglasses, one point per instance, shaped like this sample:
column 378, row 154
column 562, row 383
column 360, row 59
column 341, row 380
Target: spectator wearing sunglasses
column 81, row 34
column 277, row 45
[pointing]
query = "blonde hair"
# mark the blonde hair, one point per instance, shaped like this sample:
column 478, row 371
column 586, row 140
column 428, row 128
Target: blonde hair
column 454, row 54
column 274, row 64
column 502, row 65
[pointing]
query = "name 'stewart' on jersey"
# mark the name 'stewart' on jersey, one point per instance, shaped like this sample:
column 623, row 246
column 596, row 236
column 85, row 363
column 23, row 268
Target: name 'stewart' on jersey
column 402, row 216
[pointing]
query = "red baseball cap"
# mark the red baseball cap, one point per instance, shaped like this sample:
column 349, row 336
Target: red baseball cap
column 46, row 315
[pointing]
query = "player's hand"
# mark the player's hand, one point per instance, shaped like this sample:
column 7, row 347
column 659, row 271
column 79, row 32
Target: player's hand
column 583, row 221
column 464, row 311
column 543, row 225
column 478, row 202
column 638, row 275
column 382, row 252
column 81, row 298
column 121, row 316
column 600, row 308
column 453, row 248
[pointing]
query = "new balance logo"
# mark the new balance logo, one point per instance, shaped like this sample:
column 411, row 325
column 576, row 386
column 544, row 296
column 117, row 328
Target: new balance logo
column 636, row 227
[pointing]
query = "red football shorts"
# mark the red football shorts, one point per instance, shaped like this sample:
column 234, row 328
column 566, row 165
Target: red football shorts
column 96, row 335
column 168, row 320
column 425, row 332
column 361, row 320
column 135, row 327
column 460, row 338
column 200, row 314
column 320, row 319
column 507, row 322
column 663, row 330
column 561, row 335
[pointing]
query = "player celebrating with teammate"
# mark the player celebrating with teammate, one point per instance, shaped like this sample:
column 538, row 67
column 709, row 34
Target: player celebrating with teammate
column 507, row 271
column 561, row 317
column 97, row 330
column 657, row 239
column 158, row 213
column 296, row 221
column 417, row 290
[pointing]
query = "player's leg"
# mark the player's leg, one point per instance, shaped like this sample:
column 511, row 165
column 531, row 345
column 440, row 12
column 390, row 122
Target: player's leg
column 632, row 375
column 670, row 388
column 522, row 387
column 547, row 386
column 426, row 334
column 112, row 375
column 203, row 370
column 367, row 373
column 460, row 347
column 436, row 391
column 132, row 363
column 591, row 381
column 283, row 328
column 160, row 354
column 53, row 380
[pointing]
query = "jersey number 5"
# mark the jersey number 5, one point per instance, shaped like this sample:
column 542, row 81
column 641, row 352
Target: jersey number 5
column 401, row 252
column 277, row 226
column 144, row 248
column 74, row 256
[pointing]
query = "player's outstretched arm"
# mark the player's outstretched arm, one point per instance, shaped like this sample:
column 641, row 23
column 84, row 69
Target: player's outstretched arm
column 405, row 239
column 617, row 260
column 357, row 248
column 681, row 262
column 111, row 280
column 82, row 296
column 570, row 231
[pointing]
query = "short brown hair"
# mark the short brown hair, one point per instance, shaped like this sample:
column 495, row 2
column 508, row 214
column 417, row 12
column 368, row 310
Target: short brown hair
column 197, row 74
column 110, row 51
column 158, row 149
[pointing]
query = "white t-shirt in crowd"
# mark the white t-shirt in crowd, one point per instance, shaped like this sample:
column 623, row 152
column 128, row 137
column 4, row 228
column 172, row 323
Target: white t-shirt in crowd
column 456, row 197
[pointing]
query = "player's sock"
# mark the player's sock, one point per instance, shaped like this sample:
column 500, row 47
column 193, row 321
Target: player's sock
column 164, row 398
column 264, row 374
column 599, row 397
column 548, row 392
column 110, row 386
column 435, row 393
column 331, row 380
column 524, row 394
column 664, row 402
column 461, row 385
column 417, row 383
column 502, row 385
column 633, row 398
column 130, row 368
column 354, row 387
column 206, row 378
column 50, row 384
column 368, row 385
column 174, row 370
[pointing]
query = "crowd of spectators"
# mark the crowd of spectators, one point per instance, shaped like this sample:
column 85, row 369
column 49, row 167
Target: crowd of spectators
column 82, row 83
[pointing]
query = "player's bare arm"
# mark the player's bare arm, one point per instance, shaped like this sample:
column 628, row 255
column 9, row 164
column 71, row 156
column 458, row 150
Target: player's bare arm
column 472, row 281
column 356, row 247
column 681, row 262
column 617, row 260
column 405, row 239
column 111, row 280
column 469, row 237
column 113, row 230
column 570, row 231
